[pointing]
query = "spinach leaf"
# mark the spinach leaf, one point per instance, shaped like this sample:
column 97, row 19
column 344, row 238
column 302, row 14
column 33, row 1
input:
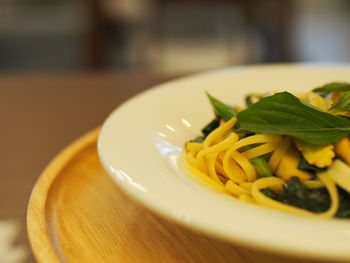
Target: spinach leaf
column 314, row 200
column 283, row 113
column 342, row 103
column 304, row 165
column 344, row 204
column 332, row 87
column 296, row 194
column 222, row 110
column 210, row 127
column 270, row 193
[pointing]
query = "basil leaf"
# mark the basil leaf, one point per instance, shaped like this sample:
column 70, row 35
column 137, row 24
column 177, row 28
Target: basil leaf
column 345, row 117
column 342, row 103
column 331, row 87
column 222, row 110
column 210, row 127
column 285, row 114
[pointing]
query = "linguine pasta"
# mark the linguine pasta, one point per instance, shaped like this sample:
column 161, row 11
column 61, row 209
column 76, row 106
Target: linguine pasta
column 224, row 160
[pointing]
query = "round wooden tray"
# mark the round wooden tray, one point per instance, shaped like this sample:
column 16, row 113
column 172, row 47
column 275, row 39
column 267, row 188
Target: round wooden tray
column 77, row 214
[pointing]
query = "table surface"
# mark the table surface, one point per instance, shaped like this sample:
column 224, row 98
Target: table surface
column 41, row 114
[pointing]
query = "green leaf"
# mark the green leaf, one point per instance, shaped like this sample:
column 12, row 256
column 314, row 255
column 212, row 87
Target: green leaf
column 332, row 87
column 342, row 103
column 260, row 164
column 270, row 193
column 222, row 110
column 315, row 200
column 261, row 167
column 344, row 204
column 210, row 127
column 199, row 139
column 296, row 194
column 285, row 114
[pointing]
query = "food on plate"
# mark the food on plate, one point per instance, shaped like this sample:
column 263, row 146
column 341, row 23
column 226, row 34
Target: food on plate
column 282, row 151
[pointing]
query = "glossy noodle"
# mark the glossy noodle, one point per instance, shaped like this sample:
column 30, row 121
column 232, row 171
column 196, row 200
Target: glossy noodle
column 265, row 169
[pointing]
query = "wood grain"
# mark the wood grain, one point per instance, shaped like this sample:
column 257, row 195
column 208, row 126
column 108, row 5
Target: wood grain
column 77, row 214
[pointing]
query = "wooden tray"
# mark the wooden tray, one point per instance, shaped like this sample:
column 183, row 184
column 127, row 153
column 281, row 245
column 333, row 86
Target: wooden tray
column 77, row 214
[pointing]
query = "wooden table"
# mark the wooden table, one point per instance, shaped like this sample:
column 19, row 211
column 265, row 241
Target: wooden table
column 41, row 114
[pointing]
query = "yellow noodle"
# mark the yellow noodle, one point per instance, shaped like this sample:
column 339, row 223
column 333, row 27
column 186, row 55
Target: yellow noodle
column 194, row 147
column 333, row 193
column 277, row 155
column 255, row 139
column 223, row 145
column 231, row 168
column 220, row 139
column 259, row 150
column 221, row 156
column 206, row 179
column 246, row 185
column 219, row 168
column 237, row 174
column 276, row 183
column 246, row 198
column 235, row 189
column 313, row 184
column 190, row 159
column 220, row 163
column 246, row 165
column 211, row 167
column 222, row 178
column 218, row 132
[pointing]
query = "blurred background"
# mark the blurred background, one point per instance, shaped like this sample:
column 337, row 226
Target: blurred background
column 66, row 64
column 168, row 36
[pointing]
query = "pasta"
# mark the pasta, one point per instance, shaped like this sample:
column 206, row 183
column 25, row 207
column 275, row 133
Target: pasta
column 269, row 169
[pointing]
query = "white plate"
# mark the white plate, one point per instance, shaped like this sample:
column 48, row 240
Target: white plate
column 140, row 146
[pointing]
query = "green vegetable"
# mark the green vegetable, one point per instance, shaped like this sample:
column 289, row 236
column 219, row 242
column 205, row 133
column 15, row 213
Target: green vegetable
column 260, row 165
column 342, row 103
column 210, row 127
column 296, row 194
column 285, row 114
column 332, row 87
column 199, row 139
column 314, row 200
column 270, row 193
column 222, row 110
column 344, row 204
column 206, row 130
column 304, row 165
